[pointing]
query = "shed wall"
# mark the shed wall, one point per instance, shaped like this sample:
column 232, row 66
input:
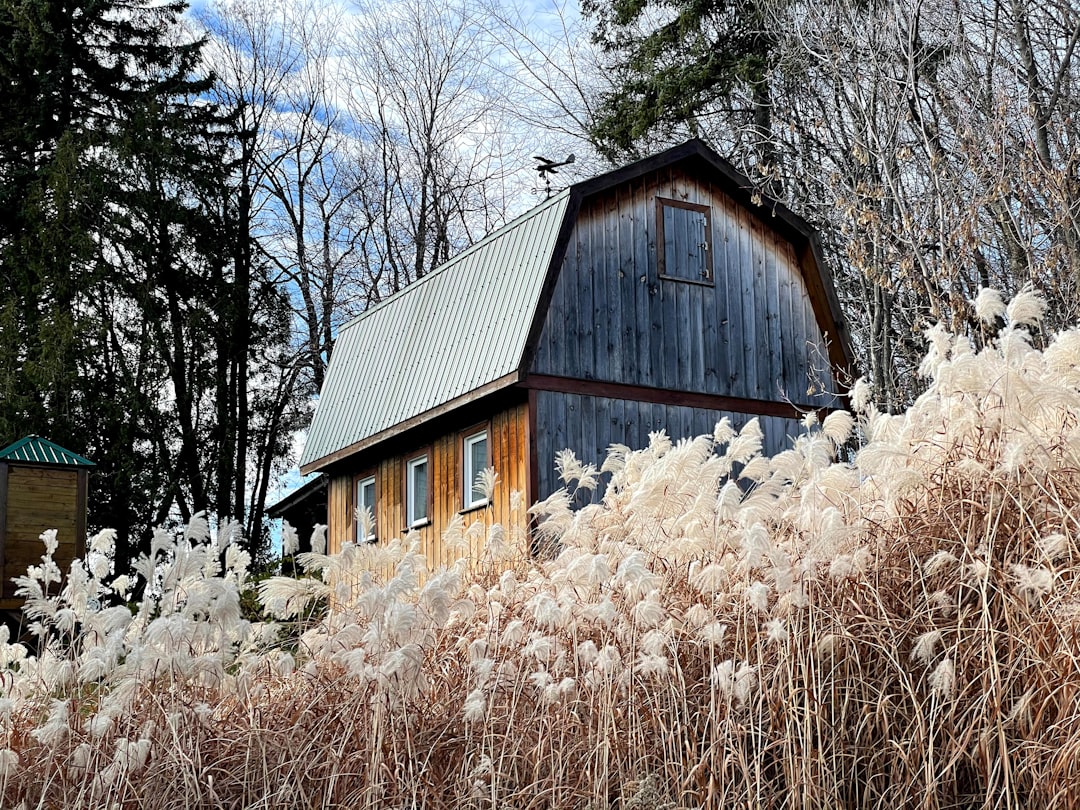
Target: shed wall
column 749, row 333
column 508, row 441
column 32, row 500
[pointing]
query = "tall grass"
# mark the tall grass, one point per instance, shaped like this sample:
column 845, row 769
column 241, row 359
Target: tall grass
column 722, row 630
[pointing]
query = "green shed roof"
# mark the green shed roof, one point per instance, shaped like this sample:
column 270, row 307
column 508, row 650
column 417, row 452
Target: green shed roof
column 36, row 450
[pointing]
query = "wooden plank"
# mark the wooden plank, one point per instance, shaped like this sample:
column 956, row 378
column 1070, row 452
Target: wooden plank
column 551, row 437
column 712, row 368
column 686, row 422
column 453, row 450
column 646, row 300
column 622, row 233
column 25, row 474
column 757, row 312
column 590, row 449
column 750, row 323
column 696, row 296
column 775, row 374
column 437, row 497
column 533, row 443
column 30, row 531
column 500, row 441
column 570, row 354
column 20, row 507
column 80, row 513
column 793, row 381
column 617, row 422
column 35, row 495
column 668, row 334
column 336, row 509
column 733, row 305
column 573, row 423
column 634, row 287
column 603, row 247
column 392, row 512
column 800, row 332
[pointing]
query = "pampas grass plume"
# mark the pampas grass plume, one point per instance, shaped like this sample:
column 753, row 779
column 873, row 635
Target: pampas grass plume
column 837, row 427
column 1032, row 583
column 1027, row 308
column 923, row 648
column 942, row 680
column 989, row 306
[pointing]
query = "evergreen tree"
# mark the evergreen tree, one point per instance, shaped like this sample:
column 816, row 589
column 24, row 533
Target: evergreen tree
column 115, row 265
column 677, row 60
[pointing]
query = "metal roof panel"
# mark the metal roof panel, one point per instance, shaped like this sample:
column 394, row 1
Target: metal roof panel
column 463, row 326
column 36, row 450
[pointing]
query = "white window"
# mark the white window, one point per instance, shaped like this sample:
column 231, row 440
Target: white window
column 684, row 240
column 476, row 459
column 416, row 491
column 365, row 510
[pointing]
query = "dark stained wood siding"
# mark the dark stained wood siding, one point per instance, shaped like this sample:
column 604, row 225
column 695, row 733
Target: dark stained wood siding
column 751, row 333
column 507, row 453
column 40, row 498
column 589, row 425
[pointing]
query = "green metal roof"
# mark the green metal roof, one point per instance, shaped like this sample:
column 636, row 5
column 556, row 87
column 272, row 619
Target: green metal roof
column 36, row 450
column 461, row 330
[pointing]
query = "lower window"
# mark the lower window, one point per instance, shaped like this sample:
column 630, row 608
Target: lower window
column 365, row 510
column 416, row 491
column 476, row 459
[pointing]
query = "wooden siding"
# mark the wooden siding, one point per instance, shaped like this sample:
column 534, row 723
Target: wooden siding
column 508, row 438
column 37, row 499
column 588, row 425
column 750, row 333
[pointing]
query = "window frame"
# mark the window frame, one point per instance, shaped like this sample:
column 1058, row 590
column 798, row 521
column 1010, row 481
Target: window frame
column 661, row 253
column 411, row 463
column 359, row 480
column 467, row 437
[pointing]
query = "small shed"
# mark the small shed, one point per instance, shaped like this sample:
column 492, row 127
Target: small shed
column 42, row 486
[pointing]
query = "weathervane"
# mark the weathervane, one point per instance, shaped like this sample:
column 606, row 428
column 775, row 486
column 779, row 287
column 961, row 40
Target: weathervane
column 549, row 167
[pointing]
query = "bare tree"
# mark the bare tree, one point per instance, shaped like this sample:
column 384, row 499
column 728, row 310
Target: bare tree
column 555, row 76
column 939, row 143
column 427, row 106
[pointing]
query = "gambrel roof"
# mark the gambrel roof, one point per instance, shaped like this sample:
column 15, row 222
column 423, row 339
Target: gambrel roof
column 468, row 328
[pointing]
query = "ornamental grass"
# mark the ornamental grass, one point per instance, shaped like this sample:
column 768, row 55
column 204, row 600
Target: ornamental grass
column 890, row 627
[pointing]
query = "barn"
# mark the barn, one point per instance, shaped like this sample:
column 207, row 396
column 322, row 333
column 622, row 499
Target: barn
column 666, row 294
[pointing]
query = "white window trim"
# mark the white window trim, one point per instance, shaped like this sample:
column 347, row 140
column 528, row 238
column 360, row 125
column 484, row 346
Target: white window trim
column 469, row 473
column 410, row 492
column 359, row 489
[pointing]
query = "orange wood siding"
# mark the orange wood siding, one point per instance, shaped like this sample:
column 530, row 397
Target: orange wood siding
column 339, row 506
column 507, row 453
column 40, row 498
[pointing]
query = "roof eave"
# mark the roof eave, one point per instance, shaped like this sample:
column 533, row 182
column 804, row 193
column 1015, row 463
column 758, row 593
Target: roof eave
column 400, row 428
